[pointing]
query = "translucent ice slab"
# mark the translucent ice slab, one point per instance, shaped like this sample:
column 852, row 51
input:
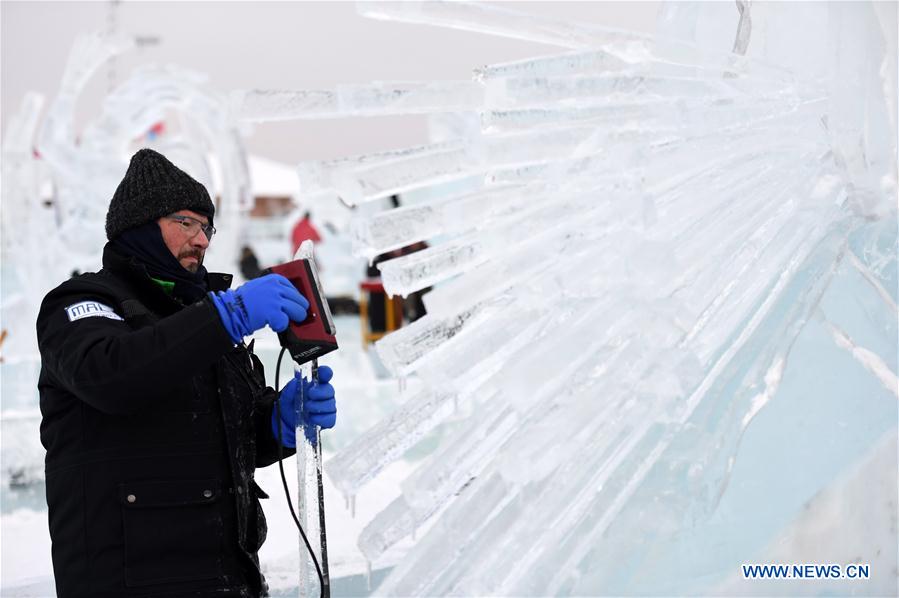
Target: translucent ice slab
column 370, row 99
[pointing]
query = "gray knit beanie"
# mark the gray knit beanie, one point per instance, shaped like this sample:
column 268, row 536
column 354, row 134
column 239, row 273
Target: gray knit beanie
column 152, row 188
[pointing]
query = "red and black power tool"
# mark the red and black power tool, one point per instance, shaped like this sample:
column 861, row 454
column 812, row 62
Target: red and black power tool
column 315, row 336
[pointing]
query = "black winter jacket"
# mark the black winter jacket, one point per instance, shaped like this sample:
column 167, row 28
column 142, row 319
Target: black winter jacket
column 154, row 423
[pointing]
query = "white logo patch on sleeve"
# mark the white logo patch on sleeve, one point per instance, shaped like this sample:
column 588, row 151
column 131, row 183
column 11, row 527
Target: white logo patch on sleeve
column 90, row 309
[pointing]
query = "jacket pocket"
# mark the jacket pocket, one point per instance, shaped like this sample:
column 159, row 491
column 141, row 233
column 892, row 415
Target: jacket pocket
column 257, row 491
column 249, row 366
column 261, row 524
column 173, row 531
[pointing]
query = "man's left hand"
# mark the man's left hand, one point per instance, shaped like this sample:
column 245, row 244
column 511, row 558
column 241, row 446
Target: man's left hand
column 319, row 407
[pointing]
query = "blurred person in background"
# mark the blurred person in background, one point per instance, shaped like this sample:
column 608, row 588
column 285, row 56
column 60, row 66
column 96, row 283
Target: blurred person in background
column 304, row 230
column 249, row 263
column 155, row 413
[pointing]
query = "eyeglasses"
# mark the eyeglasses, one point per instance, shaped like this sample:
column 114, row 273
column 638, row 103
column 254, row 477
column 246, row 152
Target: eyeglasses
column 192, row 226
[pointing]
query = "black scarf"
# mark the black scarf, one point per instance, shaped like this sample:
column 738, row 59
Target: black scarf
column 146, row 245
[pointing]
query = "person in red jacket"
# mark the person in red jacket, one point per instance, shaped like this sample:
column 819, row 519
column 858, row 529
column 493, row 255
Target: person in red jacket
column 304, row 231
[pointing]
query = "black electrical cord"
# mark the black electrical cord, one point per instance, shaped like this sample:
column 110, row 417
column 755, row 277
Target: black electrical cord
column 293, row 514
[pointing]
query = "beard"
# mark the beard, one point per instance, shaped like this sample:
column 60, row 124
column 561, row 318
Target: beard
column 192, row 267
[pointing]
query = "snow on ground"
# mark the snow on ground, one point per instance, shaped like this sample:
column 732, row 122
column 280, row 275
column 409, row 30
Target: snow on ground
column 25, row 547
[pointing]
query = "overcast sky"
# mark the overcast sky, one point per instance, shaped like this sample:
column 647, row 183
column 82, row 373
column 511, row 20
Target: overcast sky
column 284, row 45
column 287, row 45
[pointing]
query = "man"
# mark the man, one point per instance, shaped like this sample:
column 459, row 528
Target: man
column 155, row 414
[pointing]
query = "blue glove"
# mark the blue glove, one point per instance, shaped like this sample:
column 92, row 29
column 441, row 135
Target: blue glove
column 270, row 299
column 319, row 407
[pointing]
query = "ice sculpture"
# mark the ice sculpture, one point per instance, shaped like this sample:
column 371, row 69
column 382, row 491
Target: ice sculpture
column 655, row 263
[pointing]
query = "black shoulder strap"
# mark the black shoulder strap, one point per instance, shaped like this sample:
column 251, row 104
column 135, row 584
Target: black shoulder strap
column 136, row 313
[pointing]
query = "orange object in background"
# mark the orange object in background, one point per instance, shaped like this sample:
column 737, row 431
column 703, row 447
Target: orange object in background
column 373, row 297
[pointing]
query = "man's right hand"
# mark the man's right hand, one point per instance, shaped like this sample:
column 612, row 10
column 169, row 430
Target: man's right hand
column 269, row 300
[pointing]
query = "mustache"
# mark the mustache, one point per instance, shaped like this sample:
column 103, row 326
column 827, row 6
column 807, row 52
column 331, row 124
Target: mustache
column 192, row 253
